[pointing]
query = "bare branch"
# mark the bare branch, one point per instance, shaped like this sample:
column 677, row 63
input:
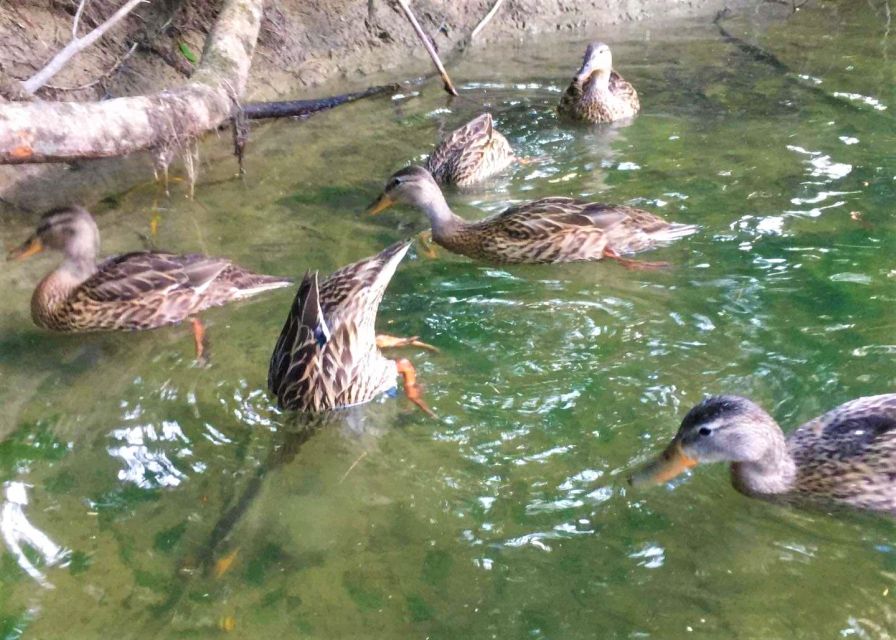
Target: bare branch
column 108, row 73
column 74, row 47
column 446, row 81
column 488, row 16
column 77, row 19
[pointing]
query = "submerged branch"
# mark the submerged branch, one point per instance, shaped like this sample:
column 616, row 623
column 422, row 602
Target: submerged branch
column 766, row 57
column 303, row 108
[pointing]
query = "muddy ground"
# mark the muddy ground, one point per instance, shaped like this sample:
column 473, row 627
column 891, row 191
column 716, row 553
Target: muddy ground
column 305, row 48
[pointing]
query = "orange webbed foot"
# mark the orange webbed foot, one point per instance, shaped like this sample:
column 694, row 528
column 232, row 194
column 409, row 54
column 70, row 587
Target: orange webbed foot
column 412, row 389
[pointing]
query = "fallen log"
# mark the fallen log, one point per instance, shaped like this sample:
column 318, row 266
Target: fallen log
column 63, row 131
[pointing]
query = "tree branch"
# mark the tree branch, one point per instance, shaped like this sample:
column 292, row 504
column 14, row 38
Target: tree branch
column 95, row 82
column 64, row 131
column 77, row 45
column 427, row 44
column 485, row 20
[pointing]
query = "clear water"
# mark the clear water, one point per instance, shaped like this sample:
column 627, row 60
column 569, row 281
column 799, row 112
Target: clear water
column 510, row 517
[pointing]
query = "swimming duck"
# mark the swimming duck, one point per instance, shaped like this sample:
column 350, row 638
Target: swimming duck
column 328, row 356
column 846, row 456
column 470, row 154
column 140, row 290
column 549, row 230
column 597, row 93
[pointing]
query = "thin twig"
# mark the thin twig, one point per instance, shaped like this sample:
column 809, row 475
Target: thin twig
column 354, row 464
column 486, row 19
column 77, row 19
column 74, row 47
column 108, row 73
column 446, row 81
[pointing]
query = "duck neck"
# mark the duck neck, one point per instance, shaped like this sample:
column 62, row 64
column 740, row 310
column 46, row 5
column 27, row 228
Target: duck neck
column 773, row 473
column 442, row 219
column 598, row 84
column 52, row 292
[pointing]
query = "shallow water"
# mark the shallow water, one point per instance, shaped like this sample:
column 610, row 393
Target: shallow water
column 510, row 518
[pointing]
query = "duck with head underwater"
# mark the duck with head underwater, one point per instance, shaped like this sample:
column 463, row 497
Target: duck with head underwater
column 549, row 230
column 328, row 355
column 139, row 290
column 846, row 456
column 471, row 154
column 597, row 93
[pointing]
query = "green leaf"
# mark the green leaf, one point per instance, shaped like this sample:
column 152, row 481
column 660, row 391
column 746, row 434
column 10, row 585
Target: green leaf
column 188, row 52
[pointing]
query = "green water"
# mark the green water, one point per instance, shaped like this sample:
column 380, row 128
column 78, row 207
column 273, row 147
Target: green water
column 510, row 517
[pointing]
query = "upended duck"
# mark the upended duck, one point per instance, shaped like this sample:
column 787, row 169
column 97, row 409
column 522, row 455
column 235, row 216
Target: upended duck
column 549, row 230
column 132, row 291
column 846, row 456
column 328, row 355
column 597, row 93
column 470, row 154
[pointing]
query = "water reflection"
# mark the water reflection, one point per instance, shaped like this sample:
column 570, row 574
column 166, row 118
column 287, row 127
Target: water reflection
column 146, row 464
column 21, row 536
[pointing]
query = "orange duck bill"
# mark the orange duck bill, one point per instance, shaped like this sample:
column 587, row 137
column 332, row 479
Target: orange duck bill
column 27, row 249
column 381, row 204
column 671, row 463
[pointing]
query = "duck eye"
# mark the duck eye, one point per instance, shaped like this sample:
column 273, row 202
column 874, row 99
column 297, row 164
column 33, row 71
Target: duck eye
column 705, row 431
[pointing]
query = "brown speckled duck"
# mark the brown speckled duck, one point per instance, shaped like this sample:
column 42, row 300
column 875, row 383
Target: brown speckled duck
column 549, row 230
column 597, row 93
column 470, row 154
column 328, row 356
column 845, row 456
column 140, row 290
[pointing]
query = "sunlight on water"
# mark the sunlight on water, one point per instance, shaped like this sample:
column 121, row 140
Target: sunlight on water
column 509, row 517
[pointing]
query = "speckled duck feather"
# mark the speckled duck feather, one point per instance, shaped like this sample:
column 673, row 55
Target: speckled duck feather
column 559, row 229
column 848, row 455
column 470, row 154
column 143, row 290
column 326, row 356
column 619, row 101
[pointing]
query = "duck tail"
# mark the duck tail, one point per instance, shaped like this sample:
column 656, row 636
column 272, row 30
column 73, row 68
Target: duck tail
column 673, row 232
column 249, row 284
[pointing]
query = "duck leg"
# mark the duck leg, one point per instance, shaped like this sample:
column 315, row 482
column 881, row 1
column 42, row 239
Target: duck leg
column 386, row 341
column 427, row 248
column 527, row 160
column 411, row 389
column 200, row 338
column 628, row 263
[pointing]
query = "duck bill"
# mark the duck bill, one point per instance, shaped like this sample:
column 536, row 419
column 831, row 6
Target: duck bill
column 671, row 463
column 27, row 249
column 381, row 204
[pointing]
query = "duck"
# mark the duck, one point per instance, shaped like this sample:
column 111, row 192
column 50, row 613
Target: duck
column 132, row 291
column 470, row 154
column 328, row 356
column 846, row 456
column 549, row 230
column 598, row 94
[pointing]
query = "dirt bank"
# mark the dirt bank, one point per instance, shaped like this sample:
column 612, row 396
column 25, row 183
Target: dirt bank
column 305, row 46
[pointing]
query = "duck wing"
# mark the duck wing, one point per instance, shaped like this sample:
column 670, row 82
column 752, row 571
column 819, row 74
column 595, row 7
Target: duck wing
column 469, row 142
column 140, row 274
